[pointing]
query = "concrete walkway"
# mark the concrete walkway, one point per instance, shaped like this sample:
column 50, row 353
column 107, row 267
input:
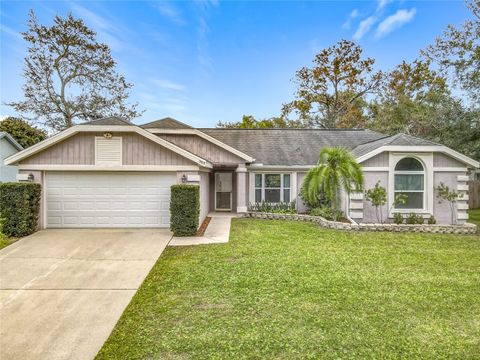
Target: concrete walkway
column 63, row 291
column 217, row 232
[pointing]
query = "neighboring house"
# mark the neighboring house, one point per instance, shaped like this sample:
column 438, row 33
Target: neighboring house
column 8, row 147
column 110, row 173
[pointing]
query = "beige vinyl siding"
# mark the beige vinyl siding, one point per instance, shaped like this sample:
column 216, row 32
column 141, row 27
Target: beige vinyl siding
column 442, row 160
column 80, row 150
column 380, row 160
column 203, row 148
column 76, row 150
column 138, row 150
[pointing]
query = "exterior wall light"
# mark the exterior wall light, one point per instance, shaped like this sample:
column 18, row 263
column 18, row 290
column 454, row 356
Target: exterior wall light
column 184, row 178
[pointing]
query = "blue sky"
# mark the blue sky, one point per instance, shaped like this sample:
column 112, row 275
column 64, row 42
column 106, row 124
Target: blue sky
column 205, row 61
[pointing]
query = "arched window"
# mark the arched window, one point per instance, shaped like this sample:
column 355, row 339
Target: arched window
column 410, row 180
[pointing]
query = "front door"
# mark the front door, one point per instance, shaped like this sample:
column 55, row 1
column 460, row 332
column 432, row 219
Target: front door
column 223, row 191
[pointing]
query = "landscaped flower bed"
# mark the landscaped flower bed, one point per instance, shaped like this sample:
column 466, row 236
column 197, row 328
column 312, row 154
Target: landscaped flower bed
column 426, row 228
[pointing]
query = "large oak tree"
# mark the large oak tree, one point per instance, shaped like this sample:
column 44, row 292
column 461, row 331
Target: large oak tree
column 70, row 77
column 457, row 52
column 332, row 92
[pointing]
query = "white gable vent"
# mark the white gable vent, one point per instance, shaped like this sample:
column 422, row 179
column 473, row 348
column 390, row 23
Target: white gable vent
column 108, row 151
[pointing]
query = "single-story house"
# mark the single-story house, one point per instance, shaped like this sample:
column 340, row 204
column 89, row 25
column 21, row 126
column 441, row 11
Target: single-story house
column 111, row 173
column 8, row 147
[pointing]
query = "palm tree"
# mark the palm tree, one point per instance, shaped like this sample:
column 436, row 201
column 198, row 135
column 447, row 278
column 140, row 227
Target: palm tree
column 336, row 169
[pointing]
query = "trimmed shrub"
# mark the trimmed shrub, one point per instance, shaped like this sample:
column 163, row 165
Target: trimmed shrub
column 19, row 208
column 397, row 218
column 184, row 209
column 413, row 218
column 327, row 213
column 279, row 208
column 432, row 220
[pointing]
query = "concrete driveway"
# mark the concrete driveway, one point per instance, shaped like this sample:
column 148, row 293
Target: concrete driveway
column 63, row 291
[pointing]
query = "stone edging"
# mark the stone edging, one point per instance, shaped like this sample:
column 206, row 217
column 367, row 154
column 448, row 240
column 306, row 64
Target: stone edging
column 419, row 228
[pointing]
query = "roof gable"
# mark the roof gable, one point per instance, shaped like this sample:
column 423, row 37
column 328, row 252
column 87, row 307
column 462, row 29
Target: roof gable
column 393, row 140
column 111, row 120
column 103, row 128
column 407, row 143
column 11, row 140
column 166, row 123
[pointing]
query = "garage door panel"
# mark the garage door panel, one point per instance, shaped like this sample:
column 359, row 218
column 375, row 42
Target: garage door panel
column 108, row 199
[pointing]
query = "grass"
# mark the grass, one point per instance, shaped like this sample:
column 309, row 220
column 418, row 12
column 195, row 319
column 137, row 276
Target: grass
column 474, row 217
column 290, row 290
column 5, row 241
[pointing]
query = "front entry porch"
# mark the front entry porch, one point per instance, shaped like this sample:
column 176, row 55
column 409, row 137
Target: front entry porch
column 228, row 187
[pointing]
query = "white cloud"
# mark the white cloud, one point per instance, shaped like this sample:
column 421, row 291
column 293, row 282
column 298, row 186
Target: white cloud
column 382, row 4
column 106, row 29
column 354, row 14
column 94, row 19
column 170, row 12
column 395, row 21
column 203, row 29
column 364, row 27
column 167, row 84
column 15, row 34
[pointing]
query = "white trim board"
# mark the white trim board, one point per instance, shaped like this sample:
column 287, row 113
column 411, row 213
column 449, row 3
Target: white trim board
column 206, row 137
column 450, row 169
column 287, row 168
column 420, row 149
column 100, row 128
column 168, row 168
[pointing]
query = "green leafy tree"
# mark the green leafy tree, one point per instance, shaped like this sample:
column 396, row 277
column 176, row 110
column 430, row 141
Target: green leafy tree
column 24, row 133
column 336, row 170
column 457, row 127
column 378, row 198
column 330, row 93
column 457, row 52
column 409, row 100
column 70, row 76
column 249, row 122
column 451, row 196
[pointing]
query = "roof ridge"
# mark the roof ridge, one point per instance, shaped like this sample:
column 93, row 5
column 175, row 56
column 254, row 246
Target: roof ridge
column 407, row 136
column 315, row 129
column 108, row 117
column 168, row 118
column 371, row 141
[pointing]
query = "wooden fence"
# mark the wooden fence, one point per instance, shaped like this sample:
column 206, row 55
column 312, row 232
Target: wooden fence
column 474, row 194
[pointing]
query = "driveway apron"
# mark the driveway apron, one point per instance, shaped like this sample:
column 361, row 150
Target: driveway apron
column 63, row 291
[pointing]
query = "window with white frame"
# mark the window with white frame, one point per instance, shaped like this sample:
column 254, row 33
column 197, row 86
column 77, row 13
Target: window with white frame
column 272, row 188
column 409, row 180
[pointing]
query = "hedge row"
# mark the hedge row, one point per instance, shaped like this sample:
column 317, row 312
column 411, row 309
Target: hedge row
column 184, row 209
column 19, row 208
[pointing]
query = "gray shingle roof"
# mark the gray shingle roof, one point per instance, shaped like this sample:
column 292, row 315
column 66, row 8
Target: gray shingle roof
column 166, row 123
column 398, row 139
column 289, row 146
column 111, row 120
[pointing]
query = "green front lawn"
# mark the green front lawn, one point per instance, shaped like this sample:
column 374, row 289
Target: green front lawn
column 474, row 217
column 288, row 290
column 4, row 241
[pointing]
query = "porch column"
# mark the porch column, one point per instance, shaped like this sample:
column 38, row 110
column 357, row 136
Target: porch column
column 241, row 189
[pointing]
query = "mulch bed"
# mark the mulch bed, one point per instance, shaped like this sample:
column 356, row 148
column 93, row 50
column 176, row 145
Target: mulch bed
column 203, row 227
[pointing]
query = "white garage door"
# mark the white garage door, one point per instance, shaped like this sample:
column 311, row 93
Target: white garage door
column 108, row 199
